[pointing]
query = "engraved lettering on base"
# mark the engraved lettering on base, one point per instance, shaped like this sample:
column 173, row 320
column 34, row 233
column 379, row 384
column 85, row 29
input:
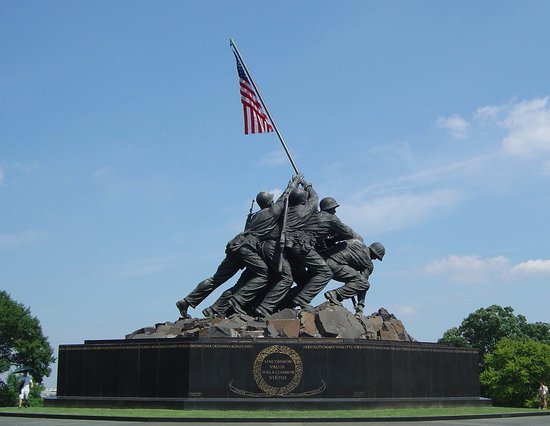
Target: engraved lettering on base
column 278, row 370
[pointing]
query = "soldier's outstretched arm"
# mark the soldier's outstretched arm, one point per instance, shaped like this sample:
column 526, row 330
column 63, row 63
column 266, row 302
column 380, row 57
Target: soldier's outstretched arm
column 293, row 183
column 313, row 198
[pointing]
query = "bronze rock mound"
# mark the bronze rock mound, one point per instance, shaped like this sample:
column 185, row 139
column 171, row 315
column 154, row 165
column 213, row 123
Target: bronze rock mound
column 324, row 321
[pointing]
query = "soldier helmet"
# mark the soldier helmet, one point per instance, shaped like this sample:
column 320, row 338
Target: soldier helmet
column 297, row 196
column 378, row 250
column 264, row 199
column 328, row 203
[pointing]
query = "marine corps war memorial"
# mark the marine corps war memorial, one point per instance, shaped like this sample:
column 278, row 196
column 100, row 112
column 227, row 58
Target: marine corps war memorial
column 263, row 344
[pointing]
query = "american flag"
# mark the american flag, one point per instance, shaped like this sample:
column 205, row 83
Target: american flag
column 255, row 119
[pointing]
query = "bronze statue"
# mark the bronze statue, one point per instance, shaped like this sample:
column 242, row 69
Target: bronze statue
column 321, row 226
column 285, row 242
column 242, row 252
column 302, row 204
column 351, row 263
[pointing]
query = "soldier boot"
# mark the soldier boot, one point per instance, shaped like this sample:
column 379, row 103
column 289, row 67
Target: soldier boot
column 182, row 306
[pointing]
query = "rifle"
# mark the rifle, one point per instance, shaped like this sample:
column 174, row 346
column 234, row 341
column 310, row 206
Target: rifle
column 249, row 215
column 282, row 239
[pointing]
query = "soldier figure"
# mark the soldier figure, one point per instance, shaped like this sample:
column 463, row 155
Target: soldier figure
column 302, row 203
column 242, row 252
column 321, row 226
column 351, row 263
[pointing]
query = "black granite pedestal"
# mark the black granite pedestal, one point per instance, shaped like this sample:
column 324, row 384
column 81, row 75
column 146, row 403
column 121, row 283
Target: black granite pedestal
column 266, row 374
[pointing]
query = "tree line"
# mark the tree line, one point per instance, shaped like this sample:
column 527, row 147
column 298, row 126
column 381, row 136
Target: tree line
column 514, row 354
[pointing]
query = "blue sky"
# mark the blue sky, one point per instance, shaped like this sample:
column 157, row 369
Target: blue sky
column 124, row 169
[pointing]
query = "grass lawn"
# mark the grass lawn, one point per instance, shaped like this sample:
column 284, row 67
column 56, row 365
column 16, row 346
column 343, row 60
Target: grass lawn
column 284, row 414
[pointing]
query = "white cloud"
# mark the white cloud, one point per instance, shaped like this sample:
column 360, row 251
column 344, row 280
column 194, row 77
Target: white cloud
column 406, row 311
column 407, row 200
column 455, row 124
column 469, row 169
column 528, row 123
column 538, row 266
column 469, row 269
column 475, row 269
column 396, row 212
column 20, row 239
column 275, row 158
column 1, row 175
column 488, row 113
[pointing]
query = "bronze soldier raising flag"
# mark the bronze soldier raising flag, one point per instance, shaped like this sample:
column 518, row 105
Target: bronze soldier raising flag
column 283, row 242
column 262, row 225
column 320, row 226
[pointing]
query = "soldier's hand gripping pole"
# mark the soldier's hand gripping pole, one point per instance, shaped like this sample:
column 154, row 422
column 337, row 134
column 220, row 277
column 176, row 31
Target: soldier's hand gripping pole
column 282, row 239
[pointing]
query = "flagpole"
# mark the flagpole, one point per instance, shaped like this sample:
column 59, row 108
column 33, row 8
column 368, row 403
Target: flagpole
column 289, row 155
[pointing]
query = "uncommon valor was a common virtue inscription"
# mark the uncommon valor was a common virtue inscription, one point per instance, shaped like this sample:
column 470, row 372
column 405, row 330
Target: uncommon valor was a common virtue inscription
column 278, row 371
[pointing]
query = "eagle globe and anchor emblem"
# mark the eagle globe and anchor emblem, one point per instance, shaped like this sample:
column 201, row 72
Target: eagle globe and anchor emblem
column 277, row 371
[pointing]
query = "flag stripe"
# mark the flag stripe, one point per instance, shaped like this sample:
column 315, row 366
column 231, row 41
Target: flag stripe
column 255, row 119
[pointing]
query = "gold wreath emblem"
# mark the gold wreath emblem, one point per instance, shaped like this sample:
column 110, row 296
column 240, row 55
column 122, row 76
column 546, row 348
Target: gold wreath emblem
column 258, row 375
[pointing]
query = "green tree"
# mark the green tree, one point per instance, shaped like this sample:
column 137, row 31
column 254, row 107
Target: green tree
column 453, row 336
column 513, row 371
column 21, row 339
column 8, row 395
column 484, row 328
column 539, row 331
